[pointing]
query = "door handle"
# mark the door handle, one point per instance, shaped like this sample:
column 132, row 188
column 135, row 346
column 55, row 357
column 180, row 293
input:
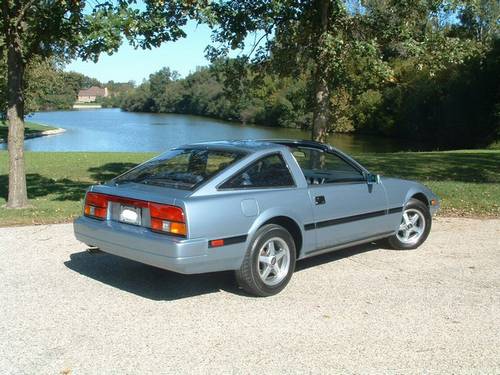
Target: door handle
column 320, row 199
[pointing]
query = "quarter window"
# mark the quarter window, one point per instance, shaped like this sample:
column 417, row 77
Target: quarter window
column 321, row 167
column 270, row 171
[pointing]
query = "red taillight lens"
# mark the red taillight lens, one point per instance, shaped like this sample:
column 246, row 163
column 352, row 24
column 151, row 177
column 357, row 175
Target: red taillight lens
column 96, row 206
column 96, row 200
column 163, row 211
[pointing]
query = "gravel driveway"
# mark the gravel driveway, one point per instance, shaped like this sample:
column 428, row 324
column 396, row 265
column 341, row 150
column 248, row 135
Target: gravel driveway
column 364, row 309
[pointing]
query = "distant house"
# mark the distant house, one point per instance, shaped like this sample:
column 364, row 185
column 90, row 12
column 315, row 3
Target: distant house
column 91, row 94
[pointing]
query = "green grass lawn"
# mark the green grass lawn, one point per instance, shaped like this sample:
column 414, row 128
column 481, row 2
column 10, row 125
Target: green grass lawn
column 467, row 181
column 29, row 128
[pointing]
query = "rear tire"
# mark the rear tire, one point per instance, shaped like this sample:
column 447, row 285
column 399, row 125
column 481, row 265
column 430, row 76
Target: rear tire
column 269, row 262
column 415, row 226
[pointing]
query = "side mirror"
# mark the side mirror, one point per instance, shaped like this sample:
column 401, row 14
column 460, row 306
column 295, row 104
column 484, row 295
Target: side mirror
column 372, row 178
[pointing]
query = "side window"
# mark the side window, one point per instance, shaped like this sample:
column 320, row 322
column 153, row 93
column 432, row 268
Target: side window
column 270, row 171
column 322, row 167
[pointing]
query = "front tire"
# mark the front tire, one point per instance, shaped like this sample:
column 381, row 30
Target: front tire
column 269, row 262
column 414, row 228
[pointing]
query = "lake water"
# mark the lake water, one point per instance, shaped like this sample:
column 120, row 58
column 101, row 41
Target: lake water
column 115, row 130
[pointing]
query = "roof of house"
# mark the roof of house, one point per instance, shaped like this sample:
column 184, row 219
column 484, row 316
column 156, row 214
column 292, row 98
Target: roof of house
column 92, row 91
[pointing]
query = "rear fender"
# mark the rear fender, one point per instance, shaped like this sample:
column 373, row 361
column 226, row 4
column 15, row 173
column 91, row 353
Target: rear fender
column 275, row 212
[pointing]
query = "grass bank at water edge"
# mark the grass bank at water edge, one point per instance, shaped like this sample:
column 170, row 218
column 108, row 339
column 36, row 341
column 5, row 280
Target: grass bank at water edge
column 30, row 129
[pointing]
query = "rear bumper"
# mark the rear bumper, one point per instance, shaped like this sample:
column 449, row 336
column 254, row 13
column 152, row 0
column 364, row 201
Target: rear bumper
column 180, row 255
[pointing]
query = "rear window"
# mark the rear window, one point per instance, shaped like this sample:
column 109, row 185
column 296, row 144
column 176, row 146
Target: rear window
column 181, row 168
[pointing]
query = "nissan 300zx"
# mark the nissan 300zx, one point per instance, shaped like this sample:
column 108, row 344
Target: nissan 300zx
column 255, row 207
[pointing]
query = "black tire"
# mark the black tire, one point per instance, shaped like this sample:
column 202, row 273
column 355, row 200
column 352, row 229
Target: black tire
column 413, row 204
column 248, row 276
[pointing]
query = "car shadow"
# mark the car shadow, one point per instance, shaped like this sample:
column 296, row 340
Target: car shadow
column 147, row 281
column 161, row 285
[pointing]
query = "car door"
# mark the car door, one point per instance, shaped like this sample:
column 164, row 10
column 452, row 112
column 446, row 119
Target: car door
column 346, row 208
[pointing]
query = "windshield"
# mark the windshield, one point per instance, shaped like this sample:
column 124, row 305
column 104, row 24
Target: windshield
column 181, row 168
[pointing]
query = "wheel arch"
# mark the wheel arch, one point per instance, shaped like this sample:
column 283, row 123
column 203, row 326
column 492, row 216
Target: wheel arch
column 291, row 226
column 421, row 197
column 418, row 192
column 283, row 218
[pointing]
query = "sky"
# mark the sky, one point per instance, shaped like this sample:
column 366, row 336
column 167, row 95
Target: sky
column 128, row 63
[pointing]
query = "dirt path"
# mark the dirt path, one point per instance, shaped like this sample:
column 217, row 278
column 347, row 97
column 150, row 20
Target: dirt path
column 365, row 309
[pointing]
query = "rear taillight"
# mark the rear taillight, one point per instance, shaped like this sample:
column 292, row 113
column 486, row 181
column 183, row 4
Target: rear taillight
column 96, row 206
column 164, row 218
column 168, row 219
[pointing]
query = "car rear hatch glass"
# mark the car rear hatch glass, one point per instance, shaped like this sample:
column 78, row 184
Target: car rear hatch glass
column 184, row 168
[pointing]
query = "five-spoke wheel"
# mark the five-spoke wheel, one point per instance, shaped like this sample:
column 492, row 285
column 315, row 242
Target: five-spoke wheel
column 414, row 228
column 274, row 261
column 269, row 261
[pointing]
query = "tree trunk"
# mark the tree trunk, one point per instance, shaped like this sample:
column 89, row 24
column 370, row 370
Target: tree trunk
column 18, row 197
column 320, row 115
column 321, row 95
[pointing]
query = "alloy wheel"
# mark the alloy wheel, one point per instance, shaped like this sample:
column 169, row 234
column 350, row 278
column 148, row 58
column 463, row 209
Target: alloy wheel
column 273, row 261
column 412, row 226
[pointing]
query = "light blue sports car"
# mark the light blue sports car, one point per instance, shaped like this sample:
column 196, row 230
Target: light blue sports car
column 254, row 207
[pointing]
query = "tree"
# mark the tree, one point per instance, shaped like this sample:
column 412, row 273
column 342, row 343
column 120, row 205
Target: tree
column 67, row 29
column 158, row 83
column 79, row 81
column 479, row 18
column 323, row 37
column 48, row 87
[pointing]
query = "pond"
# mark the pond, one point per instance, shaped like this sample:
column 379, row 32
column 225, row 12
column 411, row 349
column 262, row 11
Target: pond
column 114, row 130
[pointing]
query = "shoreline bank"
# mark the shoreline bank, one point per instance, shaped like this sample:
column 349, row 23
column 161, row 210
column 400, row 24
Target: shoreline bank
column 43, row 133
